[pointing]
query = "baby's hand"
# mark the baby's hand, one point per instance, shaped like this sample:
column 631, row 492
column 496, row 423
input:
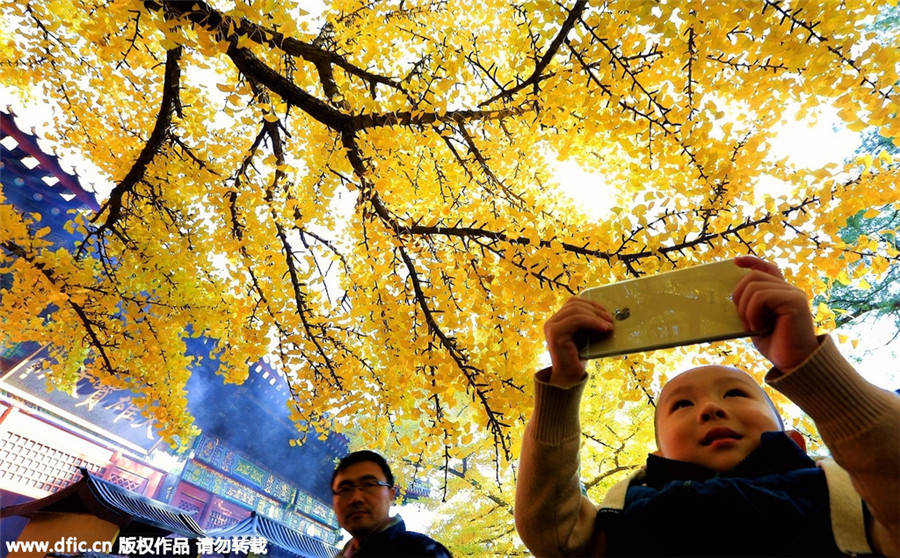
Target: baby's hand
column 767, row 303
column 577, row 314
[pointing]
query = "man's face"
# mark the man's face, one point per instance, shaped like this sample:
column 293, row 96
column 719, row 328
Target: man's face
column 362, row 511
column 712, row 416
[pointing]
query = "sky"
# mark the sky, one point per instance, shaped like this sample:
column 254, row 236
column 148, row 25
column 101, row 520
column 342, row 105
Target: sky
column 809, row 146
column 877, row 344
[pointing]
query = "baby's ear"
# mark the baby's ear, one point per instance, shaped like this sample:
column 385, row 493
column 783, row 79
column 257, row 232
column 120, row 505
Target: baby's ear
column 797, row 438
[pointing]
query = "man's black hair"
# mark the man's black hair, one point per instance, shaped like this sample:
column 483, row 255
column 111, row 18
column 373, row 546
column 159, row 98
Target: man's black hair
column 360, row 457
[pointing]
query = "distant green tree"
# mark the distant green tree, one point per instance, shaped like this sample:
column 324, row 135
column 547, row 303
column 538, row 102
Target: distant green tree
column 877, row 300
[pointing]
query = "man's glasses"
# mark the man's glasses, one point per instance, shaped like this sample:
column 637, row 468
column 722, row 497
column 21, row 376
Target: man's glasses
column 368, row 486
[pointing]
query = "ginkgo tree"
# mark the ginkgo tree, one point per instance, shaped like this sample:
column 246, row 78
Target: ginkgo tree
column 366, row 197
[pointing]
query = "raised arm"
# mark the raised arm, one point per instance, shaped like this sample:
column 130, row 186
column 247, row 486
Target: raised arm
column 552, row 516
column 859, row 422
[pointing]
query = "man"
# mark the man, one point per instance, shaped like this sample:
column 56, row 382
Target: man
column 363, row 490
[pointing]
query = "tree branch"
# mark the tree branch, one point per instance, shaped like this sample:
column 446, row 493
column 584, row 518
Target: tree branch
column 537, row 75
column 154, row 145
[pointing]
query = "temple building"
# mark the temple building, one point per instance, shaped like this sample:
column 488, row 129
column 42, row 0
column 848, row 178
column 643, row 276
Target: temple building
column 58, row 450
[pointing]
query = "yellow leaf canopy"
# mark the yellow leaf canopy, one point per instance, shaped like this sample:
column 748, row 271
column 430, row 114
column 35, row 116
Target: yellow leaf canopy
column 366, row 197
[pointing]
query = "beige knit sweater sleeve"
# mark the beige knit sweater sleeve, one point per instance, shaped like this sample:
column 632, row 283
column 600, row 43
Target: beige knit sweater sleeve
column 860, row 424
column 552, row 517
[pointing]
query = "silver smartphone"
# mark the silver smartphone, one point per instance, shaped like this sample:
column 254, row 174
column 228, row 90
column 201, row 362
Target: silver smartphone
column 681, row 307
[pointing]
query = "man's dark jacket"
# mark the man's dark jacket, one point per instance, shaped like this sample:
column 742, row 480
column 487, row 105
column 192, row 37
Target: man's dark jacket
column 396, row 541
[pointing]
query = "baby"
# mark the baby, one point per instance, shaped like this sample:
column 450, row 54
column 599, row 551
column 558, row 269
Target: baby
column 726, row 478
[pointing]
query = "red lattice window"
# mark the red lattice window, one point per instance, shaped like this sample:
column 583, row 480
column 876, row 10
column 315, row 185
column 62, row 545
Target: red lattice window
column 217, row 519
column 190, row 504
column 128, row 480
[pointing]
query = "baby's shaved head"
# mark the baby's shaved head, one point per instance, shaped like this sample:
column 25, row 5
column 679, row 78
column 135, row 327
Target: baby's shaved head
column 684, row 379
